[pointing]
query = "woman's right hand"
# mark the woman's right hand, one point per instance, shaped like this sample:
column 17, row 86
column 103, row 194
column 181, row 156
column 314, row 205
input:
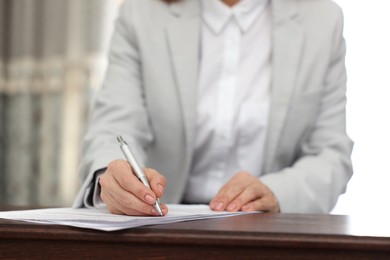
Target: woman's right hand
column 124, row 193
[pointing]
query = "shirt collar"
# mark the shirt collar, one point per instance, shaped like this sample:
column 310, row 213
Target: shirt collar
column 216, row 14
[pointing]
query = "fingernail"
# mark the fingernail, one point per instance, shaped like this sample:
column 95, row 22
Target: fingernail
column 149, row 199
column 160, row 188
column 245, row 208
column 232, row 207
column 219, row 206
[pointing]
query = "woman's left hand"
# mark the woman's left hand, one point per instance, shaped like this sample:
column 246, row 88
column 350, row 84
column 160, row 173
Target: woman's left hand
column 245, row 192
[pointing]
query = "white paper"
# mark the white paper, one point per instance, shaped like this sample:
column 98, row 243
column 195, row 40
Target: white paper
column 101, row 219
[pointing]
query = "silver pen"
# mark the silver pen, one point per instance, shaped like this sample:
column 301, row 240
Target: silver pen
column 136, row 168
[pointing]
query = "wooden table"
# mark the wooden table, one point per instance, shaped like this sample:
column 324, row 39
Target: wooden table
column 254, row 236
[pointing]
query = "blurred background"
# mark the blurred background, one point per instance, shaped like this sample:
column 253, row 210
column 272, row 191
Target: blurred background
column 52, row 61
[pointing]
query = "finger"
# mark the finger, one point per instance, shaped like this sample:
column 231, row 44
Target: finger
column 113, row 194
column 113, row 206
column 122, row 173
column 226, row 194
column 111, row 203
column 232, row 189
column 127, row 203
column 263, row 204
column 157, row 181
column 249, row 194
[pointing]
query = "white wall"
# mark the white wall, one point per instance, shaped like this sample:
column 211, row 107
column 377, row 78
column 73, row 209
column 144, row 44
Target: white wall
column 367, row 31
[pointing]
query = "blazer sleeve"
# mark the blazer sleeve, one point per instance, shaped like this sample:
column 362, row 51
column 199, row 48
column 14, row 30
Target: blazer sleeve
column 119, row 108
column 323, row 168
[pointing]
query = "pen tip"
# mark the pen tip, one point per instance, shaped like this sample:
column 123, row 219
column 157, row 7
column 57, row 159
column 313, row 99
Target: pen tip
column 119, row 138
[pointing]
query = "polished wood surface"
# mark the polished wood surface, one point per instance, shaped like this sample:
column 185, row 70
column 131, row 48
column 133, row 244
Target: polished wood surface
column 254, row 236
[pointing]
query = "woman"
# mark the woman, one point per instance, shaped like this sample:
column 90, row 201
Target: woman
column 239, row 104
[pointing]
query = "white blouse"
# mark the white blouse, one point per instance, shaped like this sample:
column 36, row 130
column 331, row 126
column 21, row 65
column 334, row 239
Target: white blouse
column 233, row 95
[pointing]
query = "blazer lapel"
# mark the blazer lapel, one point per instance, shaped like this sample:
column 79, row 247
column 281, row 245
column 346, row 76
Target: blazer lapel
column 183, row 36
column 287, row 39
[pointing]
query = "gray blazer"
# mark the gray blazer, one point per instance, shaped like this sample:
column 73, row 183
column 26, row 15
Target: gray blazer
column 149, row 97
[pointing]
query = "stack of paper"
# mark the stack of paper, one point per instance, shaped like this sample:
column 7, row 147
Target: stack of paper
column 101, row 219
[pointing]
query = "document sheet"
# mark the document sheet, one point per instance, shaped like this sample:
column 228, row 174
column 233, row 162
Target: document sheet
column 101, row 219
